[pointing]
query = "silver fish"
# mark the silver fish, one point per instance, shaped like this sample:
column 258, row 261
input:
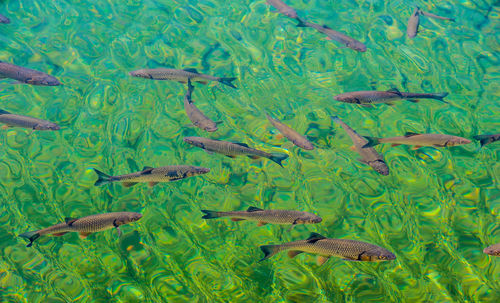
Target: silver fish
column 413, row 23
column 419, row 140
column 283, row 8
column 427, row 14
column 487, row 139
column 4, row 19
column 13, row 120
column 335, row 35
column 180, row 75
column 26, row 75
column 195, row 115
column 291, row 134
column 370, row 97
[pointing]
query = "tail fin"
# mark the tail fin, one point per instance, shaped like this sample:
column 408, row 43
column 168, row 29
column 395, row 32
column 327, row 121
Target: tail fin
column 227, row 81
column 103, row 178
column 30, row 235
column 211, row 214
column 335, row 119
column 278, row 157
column 301, row 23
column 440, row 96
column 269, row 251
column 372, row 141
column 482, row 139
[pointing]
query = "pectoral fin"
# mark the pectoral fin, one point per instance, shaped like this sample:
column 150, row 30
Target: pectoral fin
column 320, row 260
column 129, row 184
column 261, row 223
column 151, row 184
column 253, row 157
column 84, row 235
column 293, row 253
column 236, row 219
column 59, row 234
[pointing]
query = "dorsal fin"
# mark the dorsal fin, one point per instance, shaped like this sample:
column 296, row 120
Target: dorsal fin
column 4, row 112
column 315, row 237
column 410, row 134
column 191, row 70
column 326, row 26
column 146, row 170
column 252, row 209
column 394, row 90
column 70, row 221
column 241, row 144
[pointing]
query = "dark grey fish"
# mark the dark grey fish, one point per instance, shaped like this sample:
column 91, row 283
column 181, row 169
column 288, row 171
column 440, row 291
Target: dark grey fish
column 232, row 150
column 436, row 16
column 283, row 8
column 291, row 134
column 195, row 115
column 152, row 175
column 180, row 75
column 349, row 250
column 487, row 139
column 335, row 35
column 13, row 120
column 369, row 155
column 4, row 19
column 85, row 226
column 26, row 75
column 413, row 23
column 370, row 97
column 419, row 140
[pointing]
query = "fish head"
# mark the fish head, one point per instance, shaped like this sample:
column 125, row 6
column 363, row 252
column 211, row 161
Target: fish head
column 193, row 141
column 493, row 250
column 141, row 73
column 345, row 98
column 290, row 13
column 460, row 141
column 128, row 217
column 356, row 45
column 210, row 128
column 376, row 255
column 43, row 80
column 47, row 126
column 197, row 170
column 380, row 167
column 308, row 218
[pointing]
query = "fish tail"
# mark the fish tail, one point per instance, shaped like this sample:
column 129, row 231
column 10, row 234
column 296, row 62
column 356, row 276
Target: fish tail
column 211, row 214
column 372, row 141
column 301, row 23
column 30, row 235
column 227, row 81
column 335, row 119
column 440, row 96
column 481, row 140
column 278, row 157
column 103, row 178
column 269, row 251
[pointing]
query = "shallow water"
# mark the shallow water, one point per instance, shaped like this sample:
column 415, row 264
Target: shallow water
column 436, row 211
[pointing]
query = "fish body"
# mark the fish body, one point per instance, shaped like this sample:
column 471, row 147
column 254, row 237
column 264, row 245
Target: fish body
column 413, row 23
column 283, row 8
column 349, row 250
column 493, row 250
column 195, row 115
column 370, row 97
column 368, row 155
column 179, row 75
column 4, row 19
column 487, row 139
column 13, row 120
column 335, row 35
column 232, row 150
column 152, row 175
column 274, row 216
column 427, row 14
column 291, row 134
column 437, row 140
column 26, row 75
column 85, row 225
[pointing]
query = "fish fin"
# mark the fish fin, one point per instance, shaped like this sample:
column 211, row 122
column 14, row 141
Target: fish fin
column 182, row 81
column 352, row 147
column 395, row 144
column 119, row 231
column 83, row 235
column 278, row 157
column 410, row 134
column 413, row 100
column 4, row 112
column 202, row 82
column 372, row 141
column 301, row 23
column 261, row 223
column 191, row 70
column 228, row 81
column 102, row 178
column 31, row 236
column 326, row 26
column 390, row 103
column 237, row 219
column 395, row 90
column 231, row 156
column 210, row 214
column 320, row 260
column 241, row 144
column 293, row 253
column 416, row 147
column 129, row 184
column 315, row 237
column 481, row 140
column 5, row 127
column 367, row 105
column 146, row 170
column 253, row 157
column 279, row 136
column 151, row 184
column 59, row 234
column 252, row 209
column 269, row 251
column 335, row 119
column 70, row 221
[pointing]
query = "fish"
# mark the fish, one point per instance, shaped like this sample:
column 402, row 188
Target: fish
column 26, row 75
column 85, row 225
column 369, row 155
column 427, row 14
column 283, row 8
column 493, row 250
column 195, row 115
column 274, row 216
column 413, row 23
column 419, row 140
column 348, row 250
column 334, row 35
column 291, row 134
column 233, row 149
column 152, row 175
column 487, row 139
column 4, row 19
column 180, row 75
column 13, row 120
column 371, row 97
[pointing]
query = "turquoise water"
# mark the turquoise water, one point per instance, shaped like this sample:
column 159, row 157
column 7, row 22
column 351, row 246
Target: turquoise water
column 436, row 211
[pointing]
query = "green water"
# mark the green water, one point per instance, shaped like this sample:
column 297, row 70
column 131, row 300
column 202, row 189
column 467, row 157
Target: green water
column 436, row 211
